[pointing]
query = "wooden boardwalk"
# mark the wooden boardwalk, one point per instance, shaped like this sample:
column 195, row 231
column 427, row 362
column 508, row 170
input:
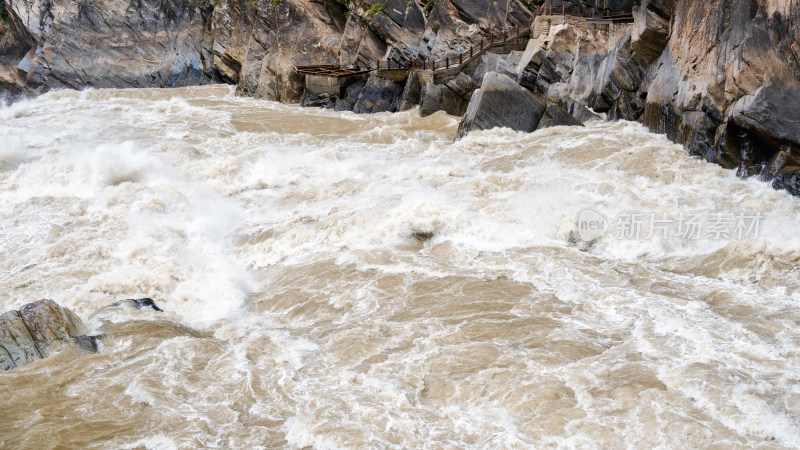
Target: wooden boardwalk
column 330, row 70
column 399, row 70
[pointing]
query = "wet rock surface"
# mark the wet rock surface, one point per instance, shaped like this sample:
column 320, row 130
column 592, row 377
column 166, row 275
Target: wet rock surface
column 39, row 330
column 502, row 102
column 555, row 116
column 138, row 303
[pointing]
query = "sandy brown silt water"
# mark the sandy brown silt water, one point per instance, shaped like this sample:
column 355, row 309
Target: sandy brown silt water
column 333, row 280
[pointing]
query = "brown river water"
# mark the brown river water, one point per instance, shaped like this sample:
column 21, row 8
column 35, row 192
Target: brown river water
column 333, row 280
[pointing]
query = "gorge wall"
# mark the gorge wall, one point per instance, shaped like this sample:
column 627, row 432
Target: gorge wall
column 721, row 77
column 46, row 44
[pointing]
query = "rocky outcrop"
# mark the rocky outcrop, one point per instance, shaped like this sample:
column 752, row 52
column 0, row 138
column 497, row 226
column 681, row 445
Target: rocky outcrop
column 502, row 102
column 555, row 116
column 378, row 95
column 39, row 330
column 451, row 97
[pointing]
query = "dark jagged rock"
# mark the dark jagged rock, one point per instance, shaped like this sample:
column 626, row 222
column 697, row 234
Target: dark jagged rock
column 451, row 97
column 251, row 44
column 17, row 347
column 39, row 330
column 727, row 83
column 788, row 179
column 322, row 100
column 16, row 43
column 378, row 95
column 88, row 343
column 463, row 85
column 411, row 92
column 139, row 303
column 430, row 99
column 555, row 116
column 501, row 102
column 492, row 62
column 348, row 102
column 577, row 110
column 651, row 30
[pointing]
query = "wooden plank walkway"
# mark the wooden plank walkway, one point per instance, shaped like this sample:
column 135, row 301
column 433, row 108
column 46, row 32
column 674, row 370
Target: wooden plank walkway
column 330, row 70
column 399, row 70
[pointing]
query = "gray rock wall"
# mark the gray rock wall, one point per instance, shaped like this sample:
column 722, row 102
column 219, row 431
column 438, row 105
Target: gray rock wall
column 720, row 77
column 250, row 43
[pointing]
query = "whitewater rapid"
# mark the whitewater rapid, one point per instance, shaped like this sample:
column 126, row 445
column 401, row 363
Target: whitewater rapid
column 333, row 280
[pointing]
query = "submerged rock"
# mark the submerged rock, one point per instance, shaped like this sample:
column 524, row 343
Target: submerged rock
column 39, row 330
column 501, row 102
column 139, row 303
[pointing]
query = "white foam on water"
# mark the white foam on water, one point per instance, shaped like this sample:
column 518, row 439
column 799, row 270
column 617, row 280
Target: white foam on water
column 364, row 281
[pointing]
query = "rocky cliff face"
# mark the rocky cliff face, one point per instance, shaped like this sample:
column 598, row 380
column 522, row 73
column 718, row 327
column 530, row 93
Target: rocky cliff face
column 727, row 83
column 720, row 77
column 109, row 43
column 251, row 43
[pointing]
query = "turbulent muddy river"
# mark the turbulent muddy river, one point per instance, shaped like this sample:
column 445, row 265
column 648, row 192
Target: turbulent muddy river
column 333, row 280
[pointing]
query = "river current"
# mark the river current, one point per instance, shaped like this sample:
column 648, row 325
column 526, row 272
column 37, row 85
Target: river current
column 333, row 280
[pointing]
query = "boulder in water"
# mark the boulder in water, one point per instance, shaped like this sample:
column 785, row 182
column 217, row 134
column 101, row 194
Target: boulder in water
column 39, row 330
column 138, row 303
column 431, row 98
column 555, row 116
column 502, row 102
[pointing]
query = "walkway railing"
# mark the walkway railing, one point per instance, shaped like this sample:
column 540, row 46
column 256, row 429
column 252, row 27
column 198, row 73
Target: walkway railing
column 493, row 38
column 329, row 70
column 335, row 71
column 572, row 11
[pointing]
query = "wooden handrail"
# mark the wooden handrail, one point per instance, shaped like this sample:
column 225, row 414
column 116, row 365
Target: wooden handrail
column 479, row 47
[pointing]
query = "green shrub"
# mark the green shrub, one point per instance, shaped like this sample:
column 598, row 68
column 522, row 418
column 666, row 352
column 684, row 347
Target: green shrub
column 435, row 26
column 3, row 11
column 375, row 8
